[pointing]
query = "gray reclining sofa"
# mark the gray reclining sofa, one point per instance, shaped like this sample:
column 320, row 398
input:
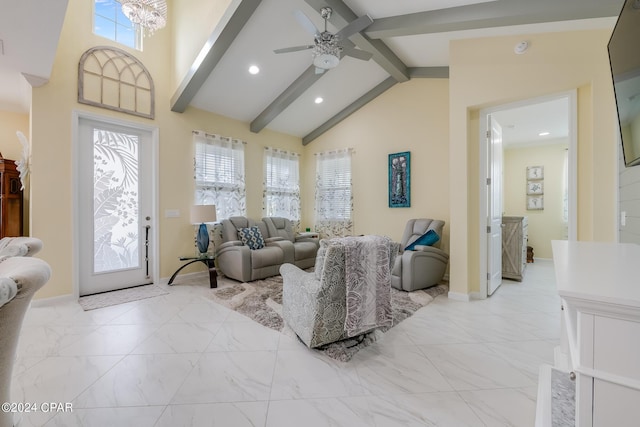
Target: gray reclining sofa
column 249, row 250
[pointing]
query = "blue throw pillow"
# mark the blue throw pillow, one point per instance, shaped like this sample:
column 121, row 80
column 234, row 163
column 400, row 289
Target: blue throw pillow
column 427, row 239
column 251, row 237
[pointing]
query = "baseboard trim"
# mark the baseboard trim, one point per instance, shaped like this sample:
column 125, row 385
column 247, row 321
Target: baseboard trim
column 457, row 296
column 44, row 302
column 477, row 296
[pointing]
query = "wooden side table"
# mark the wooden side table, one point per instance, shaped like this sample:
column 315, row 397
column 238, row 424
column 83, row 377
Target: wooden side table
column 209, row 261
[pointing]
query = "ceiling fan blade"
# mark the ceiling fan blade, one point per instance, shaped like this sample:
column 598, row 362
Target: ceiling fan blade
column 306, row 23
column 355, row 27
column 358, row 54
column 294, row 49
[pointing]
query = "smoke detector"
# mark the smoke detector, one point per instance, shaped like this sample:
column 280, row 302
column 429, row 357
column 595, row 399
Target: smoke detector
column 521, row 47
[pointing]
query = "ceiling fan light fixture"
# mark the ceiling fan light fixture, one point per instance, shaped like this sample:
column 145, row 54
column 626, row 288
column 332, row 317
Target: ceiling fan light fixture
column 326, row 61
column 326, row 52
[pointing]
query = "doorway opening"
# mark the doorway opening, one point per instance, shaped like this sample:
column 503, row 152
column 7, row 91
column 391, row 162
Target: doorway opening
column 538, row 135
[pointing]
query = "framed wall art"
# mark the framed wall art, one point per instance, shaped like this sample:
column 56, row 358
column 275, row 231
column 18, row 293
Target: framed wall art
column 535, row 187
column 535, row 172
column 400, row 180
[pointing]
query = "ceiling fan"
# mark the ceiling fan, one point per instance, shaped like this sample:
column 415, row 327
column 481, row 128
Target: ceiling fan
column 326, row 48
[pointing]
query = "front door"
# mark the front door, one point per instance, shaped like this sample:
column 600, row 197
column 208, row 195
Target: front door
column 494, row 204
column 114, row 206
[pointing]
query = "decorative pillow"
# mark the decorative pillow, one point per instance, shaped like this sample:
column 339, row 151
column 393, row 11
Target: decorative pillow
column 427, row 239
column 251, row 237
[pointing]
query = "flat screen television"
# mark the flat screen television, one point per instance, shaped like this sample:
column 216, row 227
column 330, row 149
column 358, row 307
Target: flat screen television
column 624, row 58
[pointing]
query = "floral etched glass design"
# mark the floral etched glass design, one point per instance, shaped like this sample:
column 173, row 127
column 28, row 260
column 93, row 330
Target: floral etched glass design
column 115, row 201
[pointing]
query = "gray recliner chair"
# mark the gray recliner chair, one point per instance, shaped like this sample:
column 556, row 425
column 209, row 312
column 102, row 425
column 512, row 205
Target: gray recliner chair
column 424, row 266
column 304, row 246
column 314, row 304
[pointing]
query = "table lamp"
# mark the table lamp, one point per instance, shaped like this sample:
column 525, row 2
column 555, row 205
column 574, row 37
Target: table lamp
column 202, row 214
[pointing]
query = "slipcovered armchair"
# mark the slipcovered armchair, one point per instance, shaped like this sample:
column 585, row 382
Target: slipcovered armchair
column 239, row 261
column 314, row 304
column 424, row 266
column 20, row 278
column 305, row 247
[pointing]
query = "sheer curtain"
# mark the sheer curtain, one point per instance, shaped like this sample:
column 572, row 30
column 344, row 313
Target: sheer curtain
column 219, row 174
column 281, row 187
column 334, row 197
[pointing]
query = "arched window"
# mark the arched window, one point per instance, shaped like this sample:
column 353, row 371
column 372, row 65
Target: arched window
column 111, row 78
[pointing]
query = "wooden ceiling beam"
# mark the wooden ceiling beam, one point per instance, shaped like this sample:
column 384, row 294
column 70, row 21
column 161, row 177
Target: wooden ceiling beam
column 499, row 13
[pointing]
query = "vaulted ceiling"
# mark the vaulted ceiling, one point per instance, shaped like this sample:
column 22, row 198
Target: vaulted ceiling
column 408, row 39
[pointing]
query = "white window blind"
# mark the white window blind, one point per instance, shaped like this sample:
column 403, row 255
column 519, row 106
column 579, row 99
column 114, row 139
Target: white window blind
column 334, row 198
column 219, row 174
column 281, row 184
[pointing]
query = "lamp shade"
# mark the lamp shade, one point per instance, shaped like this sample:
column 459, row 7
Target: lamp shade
column 201, row 214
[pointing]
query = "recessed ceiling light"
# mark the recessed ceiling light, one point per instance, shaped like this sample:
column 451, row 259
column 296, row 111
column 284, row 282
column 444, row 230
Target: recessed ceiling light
column 543, row 134
column 318, row 100
column 254, row 69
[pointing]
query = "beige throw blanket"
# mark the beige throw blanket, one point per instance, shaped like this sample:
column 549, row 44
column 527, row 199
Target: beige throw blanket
column 368, row 261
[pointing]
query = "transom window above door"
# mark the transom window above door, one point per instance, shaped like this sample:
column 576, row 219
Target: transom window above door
column 109, row 22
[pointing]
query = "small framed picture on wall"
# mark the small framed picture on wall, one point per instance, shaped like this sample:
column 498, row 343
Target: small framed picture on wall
column 535, row 203
column 535, row 172
column 535, row 187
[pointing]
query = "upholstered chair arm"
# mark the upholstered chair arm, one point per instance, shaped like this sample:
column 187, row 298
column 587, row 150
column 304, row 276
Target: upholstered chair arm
column 285, row 245
column 273, row 239
column 234, row 260
column 422, row 268
column 299, row 295
column 308, row 237
column 433, row 251
column 28, row 275
column 227, row 245
column 20, row 246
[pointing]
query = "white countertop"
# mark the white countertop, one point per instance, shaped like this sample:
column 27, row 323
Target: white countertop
column 605, row 272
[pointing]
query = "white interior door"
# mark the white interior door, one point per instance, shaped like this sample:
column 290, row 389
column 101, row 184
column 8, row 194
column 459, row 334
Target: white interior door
column 494, row 205
column 114, row 206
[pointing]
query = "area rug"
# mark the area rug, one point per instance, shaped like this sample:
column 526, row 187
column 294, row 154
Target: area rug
column 261, row 301
column 106, row 299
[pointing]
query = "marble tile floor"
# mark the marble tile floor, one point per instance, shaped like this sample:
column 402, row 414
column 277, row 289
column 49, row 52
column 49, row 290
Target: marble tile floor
column 182, row 360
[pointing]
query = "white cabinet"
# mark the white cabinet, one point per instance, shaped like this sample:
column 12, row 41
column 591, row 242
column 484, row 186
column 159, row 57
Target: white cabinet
column 600, row 291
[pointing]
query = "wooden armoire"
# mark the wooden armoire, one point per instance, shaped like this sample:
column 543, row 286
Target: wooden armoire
column 10, row 199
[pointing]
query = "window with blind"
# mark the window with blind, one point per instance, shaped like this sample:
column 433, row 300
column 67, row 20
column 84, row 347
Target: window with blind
column 281, row 195
column 334, row 198
column 219, row 174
